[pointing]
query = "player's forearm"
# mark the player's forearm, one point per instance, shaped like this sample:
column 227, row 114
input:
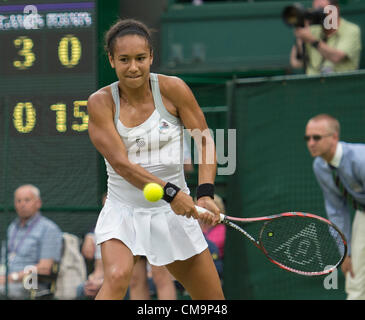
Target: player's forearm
column 207, row 162
column 207, row 173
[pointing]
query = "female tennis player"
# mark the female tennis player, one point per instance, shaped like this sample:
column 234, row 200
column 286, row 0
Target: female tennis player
column 137, row 124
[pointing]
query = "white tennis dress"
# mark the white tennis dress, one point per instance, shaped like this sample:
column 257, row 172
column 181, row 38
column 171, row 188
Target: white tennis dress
column 150, row 229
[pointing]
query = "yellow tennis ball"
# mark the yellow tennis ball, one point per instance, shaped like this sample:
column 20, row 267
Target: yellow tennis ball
column 153, row 192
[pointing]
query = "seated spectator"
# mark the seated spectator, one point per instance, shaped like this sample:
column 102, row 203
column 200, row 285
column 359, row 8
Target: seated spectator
column 34, row 243
column 91, row 286
column 91, row 251
column 88, row 248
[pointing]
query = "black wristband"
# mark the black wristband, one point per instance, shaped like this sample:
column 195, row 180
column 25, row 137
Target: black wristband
column 169, row 192
column 315, row 44
column 205, row 189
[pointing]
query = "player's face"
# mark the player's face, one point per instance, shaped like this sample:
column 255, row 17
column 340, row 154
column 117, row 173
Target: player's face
column 132, row 59
column 26, row 203
column 326, row 144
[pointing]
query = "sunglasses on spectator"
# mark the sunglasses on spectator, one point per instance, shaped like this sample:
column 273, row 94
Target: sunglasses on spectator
column 316, row 137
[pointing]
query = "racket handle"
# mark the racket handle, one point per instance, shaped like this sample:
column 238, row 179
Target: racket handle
column 202, row 210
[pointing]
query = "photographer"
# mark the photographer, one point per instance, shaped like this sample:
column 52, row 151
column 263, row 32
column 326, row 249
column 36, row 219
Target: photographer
column 322, row 48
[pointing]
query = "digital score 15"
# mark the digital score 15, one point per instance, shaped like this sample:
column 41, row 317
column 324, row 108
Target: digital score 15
column 39, row 116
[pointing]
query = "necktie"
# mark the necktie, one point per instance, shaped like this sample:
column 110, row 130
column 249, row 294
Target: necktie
column 349, row 198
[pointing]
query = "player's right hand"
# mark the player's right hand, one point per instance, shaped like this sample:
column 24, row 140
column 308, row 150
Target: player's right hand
column 184, row 205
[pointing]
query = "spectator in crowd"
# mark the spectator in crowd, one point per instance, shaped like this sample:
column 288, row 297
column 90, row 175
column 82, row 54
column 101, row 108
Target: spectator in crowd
column 90, row 250
column 327, row 48
column 34, row 243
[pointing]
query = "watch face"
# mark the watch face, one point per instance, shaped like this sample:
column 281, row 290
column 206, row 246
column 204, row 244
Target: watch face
column 170, row 191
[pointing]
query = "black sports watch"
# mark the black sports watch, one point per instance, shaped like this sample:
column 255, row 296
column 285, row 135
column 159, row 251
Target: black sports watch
column 170, row 192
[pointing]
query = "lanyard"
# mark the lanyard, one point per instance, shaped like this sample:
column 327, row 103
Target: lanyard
column 344, row 192
column 12, row 249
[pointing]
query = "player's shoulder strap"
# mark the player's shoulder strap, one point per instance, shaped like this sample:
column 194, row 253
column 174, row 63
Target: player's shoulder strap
column 115, row 94
column 158, row 101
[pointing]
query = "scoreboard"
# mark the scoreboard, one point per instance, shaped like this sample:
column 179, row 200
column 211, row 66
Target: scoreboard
column 48, row 68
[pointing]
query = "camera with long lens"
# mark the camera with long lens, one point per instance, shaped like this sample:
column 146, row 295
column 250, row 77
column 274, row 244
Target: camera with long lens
column 296, row 15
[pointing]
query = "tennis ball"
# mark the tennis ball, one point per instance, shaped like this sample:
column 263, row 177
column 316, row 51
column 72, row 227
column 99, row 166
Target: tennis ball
column 153, row 192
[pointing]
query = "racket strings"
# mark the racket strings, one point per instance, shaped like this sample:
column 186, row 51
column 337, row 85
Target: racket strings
column 303, row 244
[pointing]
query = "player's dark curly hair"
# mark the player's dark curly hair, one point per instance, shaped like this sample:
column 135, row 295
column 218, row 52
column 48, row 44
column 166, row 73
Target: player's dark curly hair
column 125, row 27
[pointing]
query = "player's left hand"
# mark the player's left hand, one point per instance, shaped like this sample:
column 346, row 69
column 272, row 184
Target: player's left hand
column 209, row 204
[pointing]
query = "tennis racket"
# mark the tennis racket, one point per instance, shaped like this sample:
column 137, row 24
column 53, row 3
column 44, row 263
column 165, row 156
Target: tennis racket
column 298, row 242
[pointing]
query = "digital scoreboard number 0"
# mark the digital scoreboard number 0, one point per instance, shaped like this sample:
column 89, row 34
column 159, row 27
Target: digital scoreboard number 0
column 69, row 51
